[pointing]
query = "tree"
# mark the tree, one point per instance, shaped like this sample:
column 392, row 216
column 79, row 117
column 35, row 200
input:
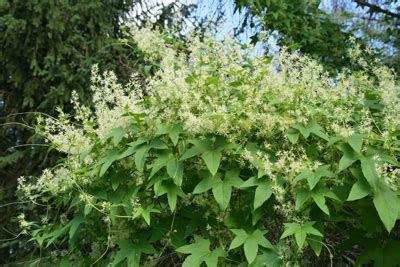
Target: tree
column 322, row 29
column 379, row 24
column 47, row 50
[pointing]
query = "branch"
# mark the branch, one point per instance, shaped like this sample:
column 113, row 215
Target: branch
column 376, row 8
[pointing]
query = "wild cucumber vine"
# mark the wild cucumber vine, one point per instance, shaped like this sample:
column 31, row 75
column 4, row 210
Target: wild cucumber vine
column 224, row 158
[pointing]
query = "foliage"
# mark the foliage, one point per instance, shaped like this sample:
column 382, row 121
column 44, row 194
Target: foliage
column 301, row 25
column 223, row 158
column 379, row 23
column 47, row 50
column 321, row 29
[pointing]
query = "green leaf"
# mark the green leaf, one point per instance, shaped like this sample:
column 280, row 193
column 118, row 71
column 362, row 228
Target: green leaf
column 348, row 158
column 191, row 152
column 207, row 183
column 309, row 228
column 117, row 178
column 357, row 172
column 300, row 237
column 222, row 191
column 174, row 133
column 232, row 178
column 239, row 239
column 250, row 242
column 305, row 174
column 199, row 147
column 300, row 232
column 38, row 238
column 374, row 104
column 126, row 252
column 88, row 208
column 327, row 192
column 105, row 167
column 159, row 163
column 212, row 80
column 293, row 135
column 200, row 252
column 262, row 194
column 318, row 194
column 140, row 157
column 319, row 199
column 65, row 262
column 162, row 129
column 131, row 252
column 172, row 192
column 212, row 259
column 269, row 258
column 333, row 140
column 74, row 225
column 117, row 134
column 317, row 130
column 369, row 171
column 111, row 156
column 314, row 177
column 128, row 152
column 263, row 191
column 84, row 154
column 359, row 190
column 190, row 79
column 290, row 229
column 140, row 141
column 256, row 216
column 302, row 196
column 355, row 141
column 316, row 244
column 52, row 236
column 212, row 160
column 222, row 194
column 175, row 170
column 303, row 130
column 145, row 213
column 387, row 205
column 312, row 127
column 384, row 155
column 157, row 143
column 250, row 249
column 322, row 171
column 253, row 149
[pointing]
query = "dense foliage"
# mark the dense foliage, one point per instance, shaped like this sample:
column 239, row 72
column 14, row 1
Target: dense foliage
column 47, row 50
column 301, row 25
column 321, row 29
column 223, row 158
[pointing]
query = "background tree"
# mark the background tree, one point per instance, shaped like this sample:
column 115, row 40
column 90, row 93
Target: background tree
column 376, row 21
column 322, row 29
column 47, row 50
